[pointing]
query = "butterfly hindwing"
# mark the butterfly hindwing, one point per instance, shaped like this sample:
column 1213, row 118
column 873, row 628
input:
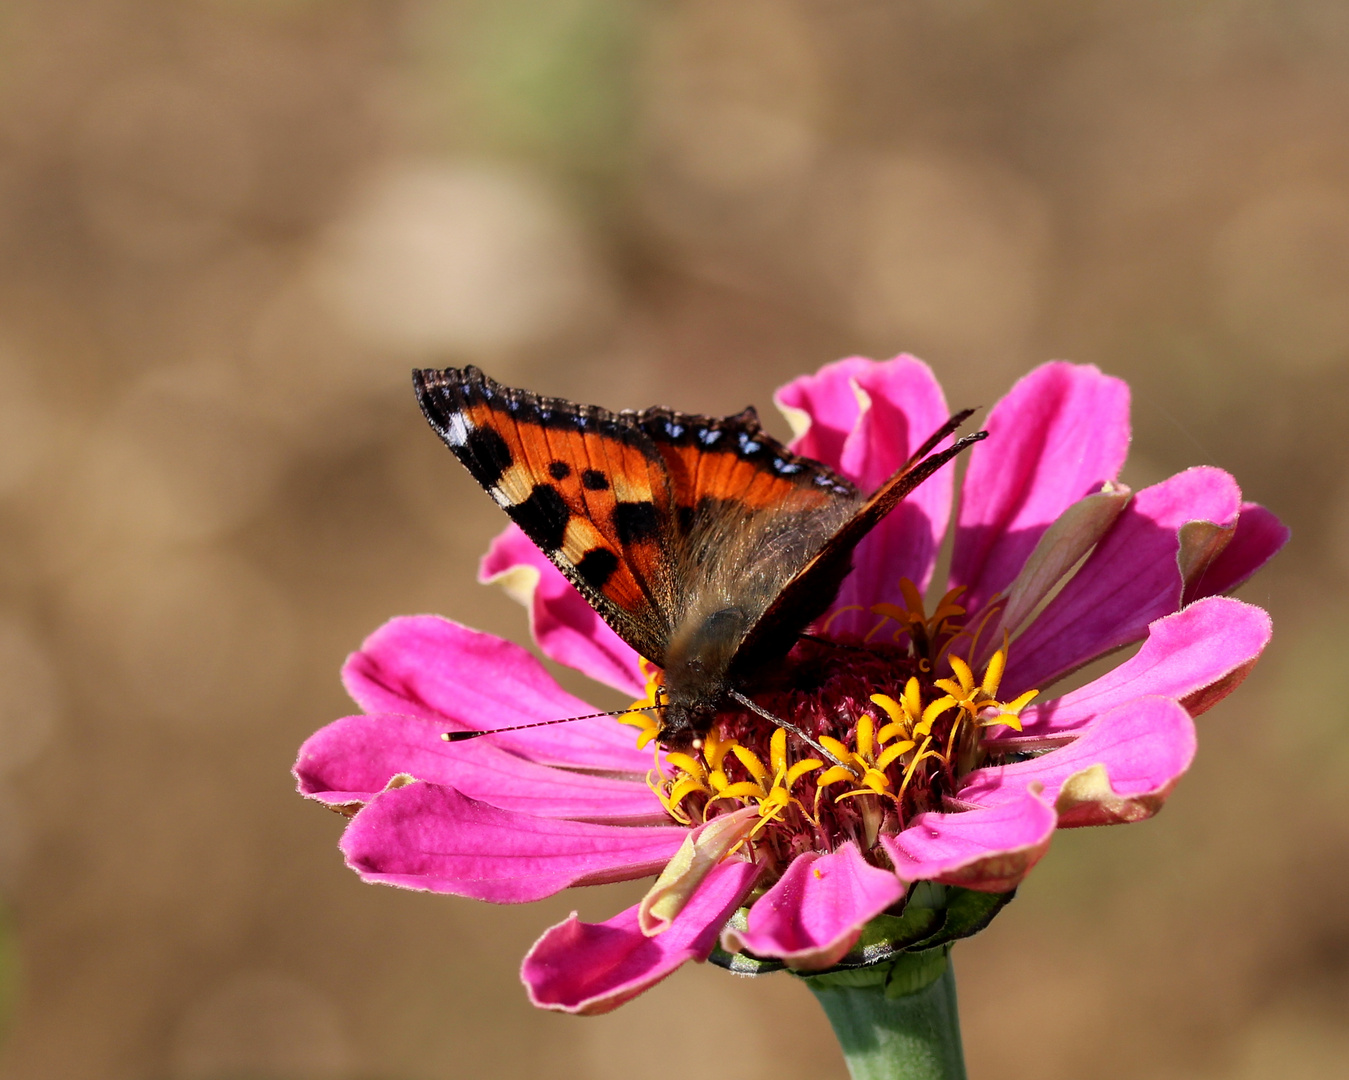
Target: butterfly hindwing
column 798, row 602
column 751, row 515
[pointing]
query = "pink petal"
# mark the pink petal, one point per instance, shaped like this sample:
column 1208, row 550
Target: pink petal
column 353, row 759
column 591, row 968
column 1138, row 750
column 1258, row 538
column 990, row 849
column 816, row 911
column 1130, row 579
column 425, row 836
column 827, row 403
column 1196, row 656
column 906, row 407
column 1061, row 432
column 423, row 665
column 566, row 627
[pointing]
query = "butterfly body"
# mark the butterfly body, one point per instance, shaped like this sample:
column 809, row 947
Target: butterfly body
column 705, row 544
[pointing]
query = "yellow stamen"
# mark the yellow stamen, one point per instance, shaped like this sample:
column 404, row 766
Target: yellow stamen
column 751, row 762
column 838, row 749
column 865, row 731
column 892, row 753
column 800, row 769
column 962, row 672
column 833, row 775
column 993, row 673
column 911, row 597
column 745, row 789
column 777, row 752
column 690, row 765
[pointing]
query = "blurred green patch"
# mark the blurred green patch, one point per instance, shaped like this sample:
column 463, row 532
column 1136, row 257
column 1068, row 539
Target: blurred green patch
column 550, row 81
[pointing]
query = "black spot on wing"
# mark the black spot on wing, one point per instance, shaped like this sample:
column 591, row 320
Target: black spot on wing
column 489, row 455
column 635, row 522
column 559, row 470
column 597, row 566
column 543, row 516
column 594, row 480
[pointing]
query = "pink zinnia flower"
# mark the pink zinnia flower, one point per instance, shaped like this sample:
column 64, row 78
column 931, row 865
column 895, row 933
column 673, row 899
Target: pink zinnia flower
column 954, row 772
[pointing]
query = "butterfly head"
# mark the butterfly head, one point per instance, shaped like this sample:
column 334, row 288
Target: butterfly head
column 697, row 668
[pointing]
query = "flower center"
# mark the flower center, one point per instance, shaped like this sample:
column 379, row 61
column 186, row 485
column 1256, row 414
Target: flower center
column 903, row 719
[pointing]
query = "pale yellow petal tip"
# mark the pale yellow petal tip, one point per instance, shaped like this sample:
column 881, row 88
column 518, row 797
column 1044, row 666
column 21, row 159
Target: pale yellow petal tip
column 701, row 850
column 797, row 419
column 518, row 582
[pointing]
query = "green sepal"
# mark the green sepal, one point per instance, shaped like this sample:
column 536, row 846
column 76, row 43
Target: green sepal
column 742, row 963
column 914, row 971
column 966, row 912
column 932, row 918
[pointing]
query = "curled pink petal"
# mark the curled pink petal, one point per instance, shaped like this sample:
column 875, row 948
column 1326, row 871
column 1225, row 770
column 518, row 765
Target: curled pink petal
column 990, row 849
column 567, row 628
column 704, row 849
column 1196, row 656
column 905, row 406
column 816, row 911
column 591, row 968
column 351, row 760
column 1137, row 752
column 1258, row 538
column 1061, row 432
column 1129, row 580
column 425, row 836
column 823, row 408
column 423, row 665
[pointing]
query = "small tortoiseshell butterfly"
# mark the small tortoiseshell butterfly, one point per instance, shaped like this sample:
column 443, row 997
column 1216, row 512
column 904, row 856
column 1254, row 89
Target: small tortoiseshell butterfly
column 705, row 543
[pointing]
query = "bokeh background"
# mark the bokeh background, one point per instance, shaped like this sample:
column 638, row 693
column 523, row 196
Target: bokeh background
column 228, row 229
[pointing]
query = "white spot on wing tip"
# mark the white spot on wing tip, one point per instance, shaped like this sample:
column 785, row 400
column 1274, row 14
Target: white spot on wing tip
column 500, row 497
column 457, row 433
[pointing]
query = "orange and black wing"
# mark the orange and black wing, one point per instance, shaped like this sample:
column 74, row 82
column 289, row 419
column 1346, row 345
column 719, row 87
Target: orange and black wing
column 585, row 484
column 732, row 461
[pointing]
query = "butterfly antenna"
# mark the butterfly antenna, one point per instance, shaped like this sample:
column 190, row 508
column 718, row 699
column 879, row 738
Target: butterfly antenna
column 464, row 736
column 787, row 725
column 946, row 429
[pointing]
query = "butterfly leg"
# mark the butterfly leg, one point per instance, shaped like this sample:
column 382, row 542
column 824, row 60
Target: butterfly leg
column 787, row 725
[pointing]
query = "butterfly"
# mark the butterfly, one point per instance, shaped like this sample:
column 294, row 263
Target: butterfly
column 706, row 544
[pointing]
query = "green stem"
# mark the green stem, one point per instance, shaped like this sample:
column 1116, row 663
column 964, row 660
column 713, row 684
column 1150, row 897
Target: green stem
column 912, row 1036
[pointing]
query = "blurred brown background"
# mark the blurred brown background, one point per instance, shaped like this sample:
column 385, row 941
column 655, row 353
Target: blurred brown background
column 228, row 229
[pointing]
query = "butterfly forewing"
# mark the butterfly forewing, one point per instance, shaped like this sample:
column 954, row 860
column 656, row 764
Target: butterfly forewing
column 586, row 485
